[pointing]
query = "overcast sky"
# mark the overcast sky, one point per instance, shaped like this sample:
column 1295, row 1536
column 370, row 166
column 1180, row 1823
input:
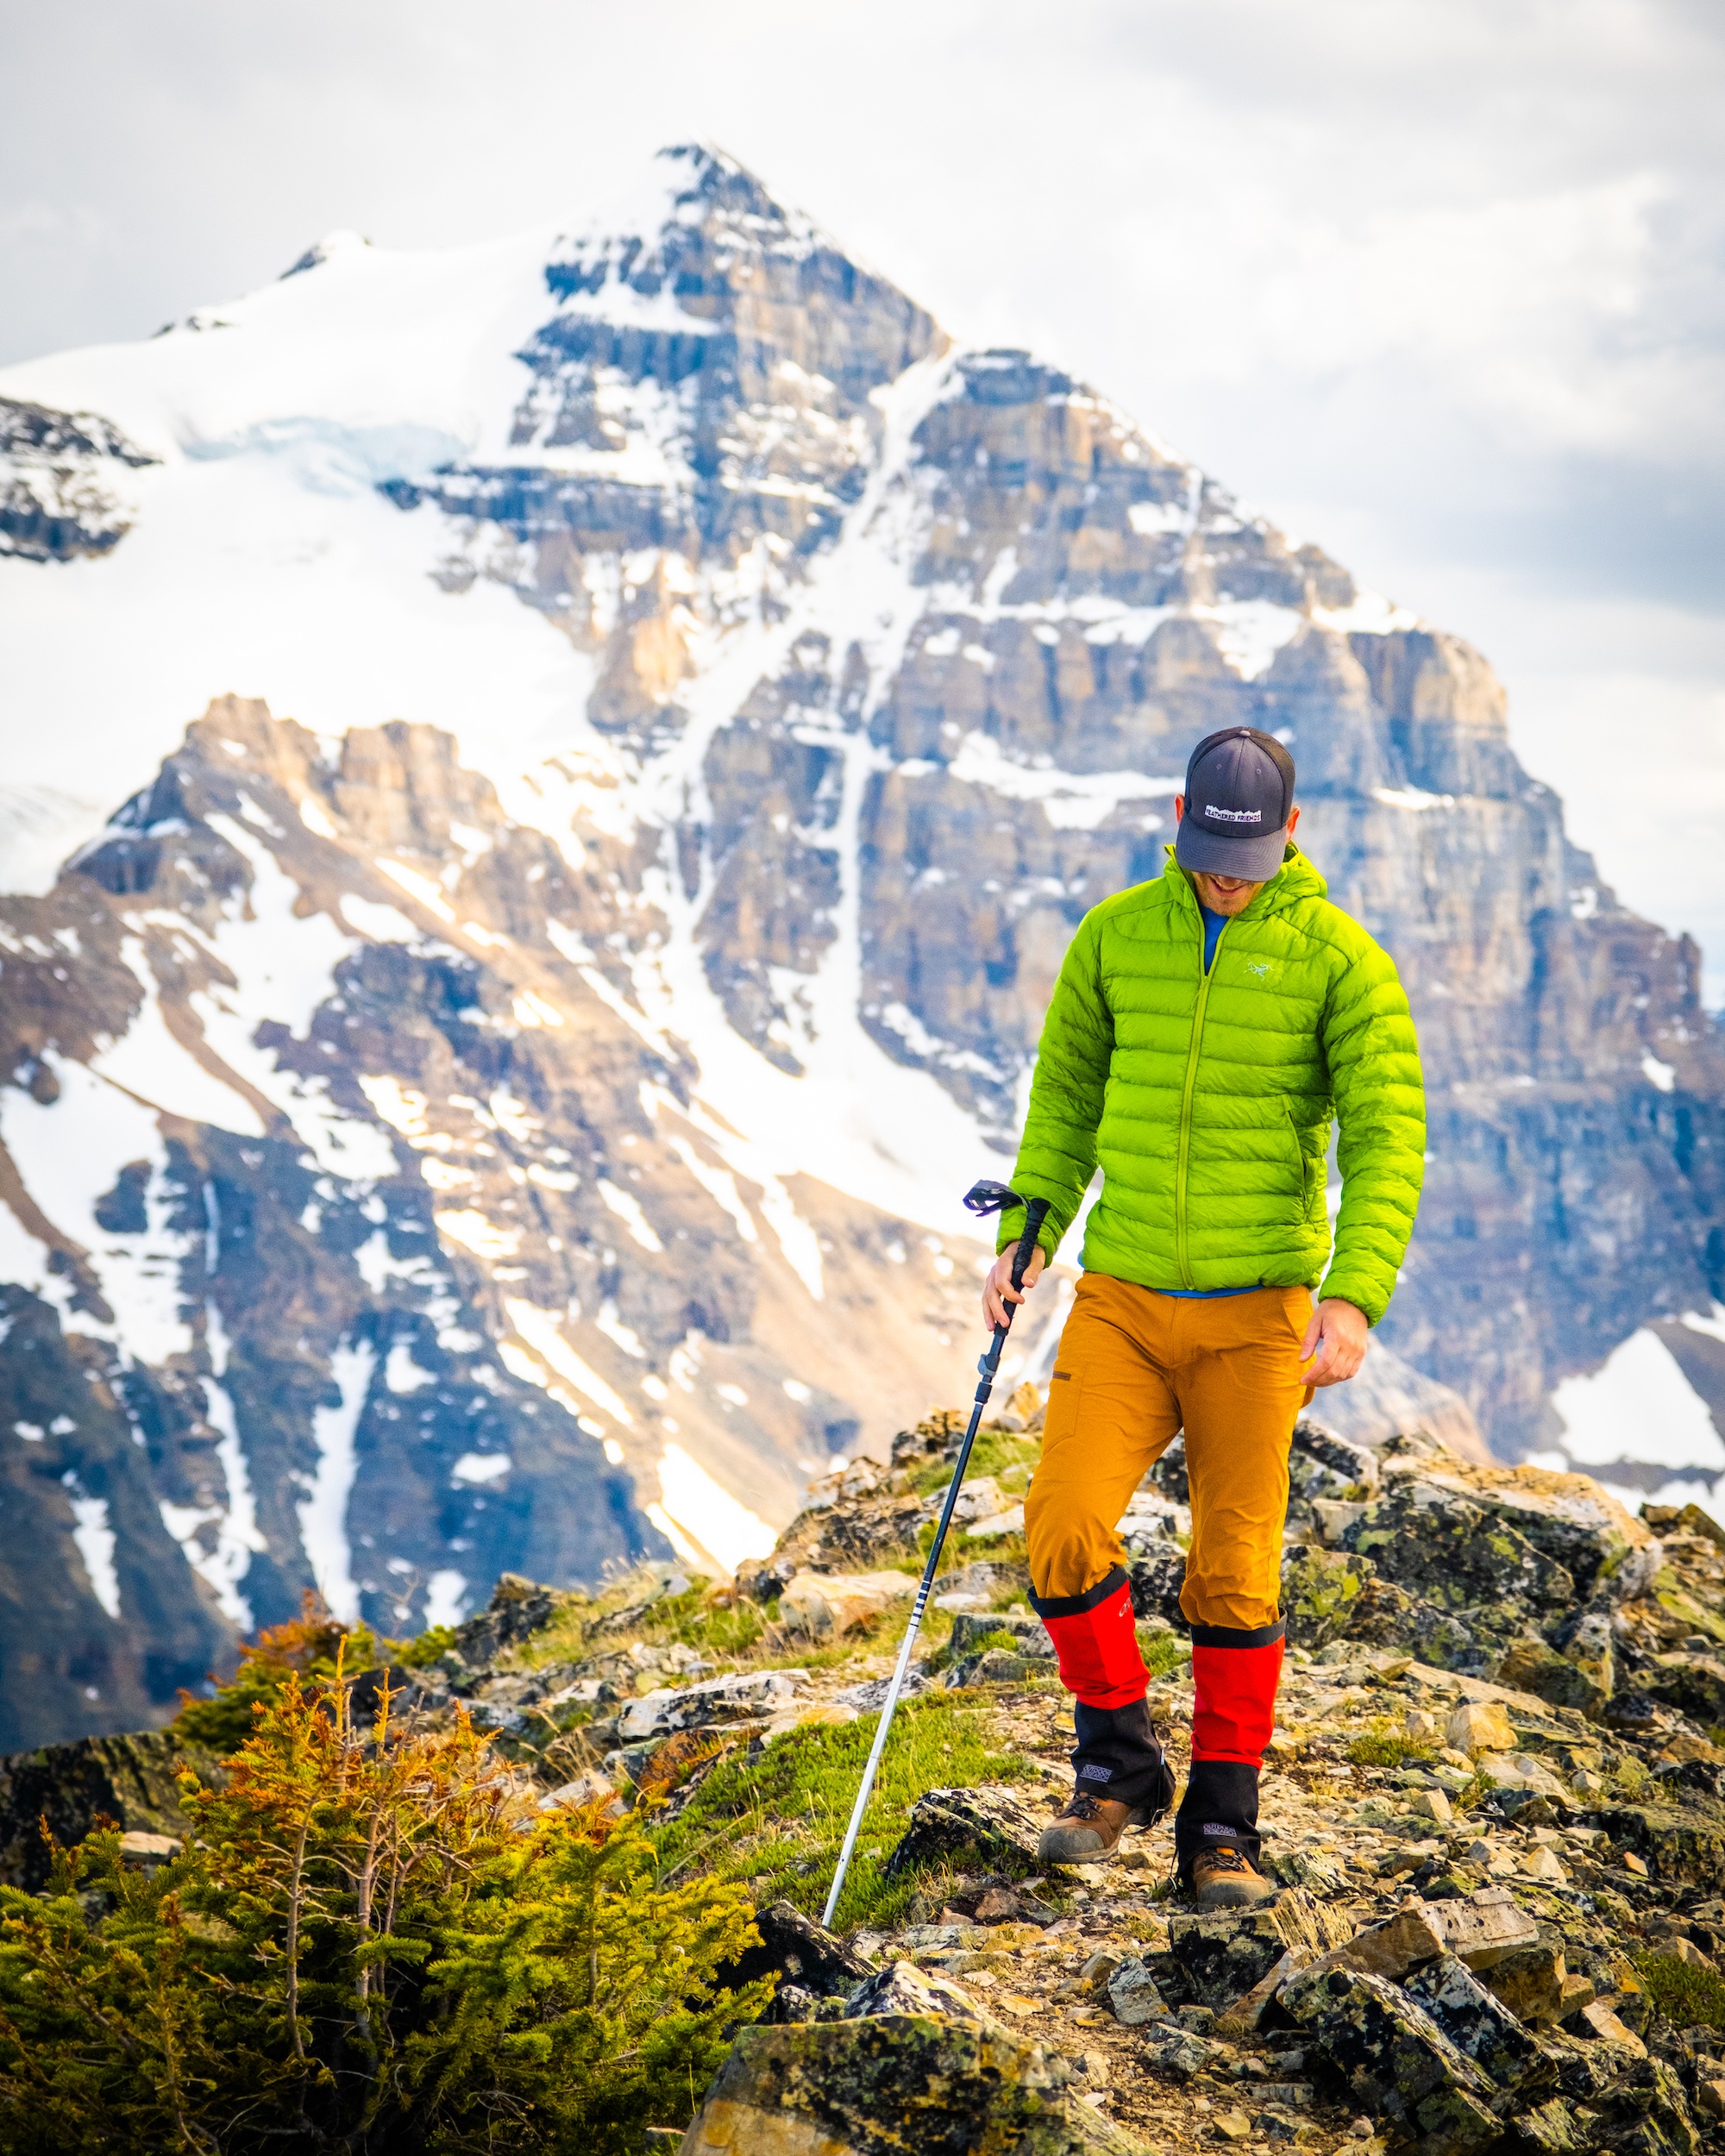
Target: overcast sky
column 1436, row 283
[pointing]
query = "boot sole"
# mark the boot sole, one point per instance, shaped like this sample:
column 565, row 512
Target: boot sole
column 1233, row 1897
column 1047, row 1852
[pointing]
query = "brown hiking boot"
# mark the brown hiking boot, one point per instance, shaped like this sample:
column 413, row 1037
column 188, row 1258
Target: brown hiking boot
column 1087, row 1829
column 1223, row 1879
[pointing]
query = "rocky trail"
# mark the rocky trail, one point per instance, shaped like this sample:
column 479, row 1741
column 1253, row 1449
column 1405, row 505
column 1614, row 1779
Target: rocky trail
column 1495, row 1808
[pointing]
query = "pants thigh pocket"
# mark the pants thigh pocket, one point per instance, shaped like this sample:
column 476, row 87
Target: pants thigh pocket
column 1060, row 1419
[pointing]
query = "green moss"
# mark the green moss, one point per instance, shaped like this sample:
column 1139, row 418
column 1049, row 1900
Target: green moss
column 1688, row 1996
column 420, row 1654
column 1165, row 1653
column 996, row 1452
column 958, row 1550
column 721, row 1625
column 999, row 1638
column 777, row 1820
column 1382, row 1746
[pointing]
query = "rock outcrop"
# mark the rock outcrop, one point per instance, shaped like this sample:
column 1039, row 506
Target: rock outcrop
column 1499, row 1917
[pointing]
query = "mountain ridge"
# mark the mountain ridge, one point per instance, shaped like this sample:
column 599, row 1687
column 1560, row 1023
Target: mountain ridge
column 785, row 682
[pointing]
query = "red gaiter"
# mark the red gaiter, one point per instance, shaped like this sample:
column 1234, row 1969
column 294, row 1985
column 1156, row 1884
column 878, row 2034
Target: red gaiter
column 1095, row 1639
column 1233, row 1708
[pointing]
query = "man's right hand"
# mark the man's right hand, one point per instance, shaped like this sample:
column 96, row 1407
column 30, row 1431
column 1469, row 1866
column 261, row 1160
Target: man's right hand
column 999, row 1293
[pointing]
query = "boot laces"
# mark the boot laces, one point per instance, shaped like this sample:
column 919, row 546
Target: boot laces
column 1081, row 1805
column 1224, row 1860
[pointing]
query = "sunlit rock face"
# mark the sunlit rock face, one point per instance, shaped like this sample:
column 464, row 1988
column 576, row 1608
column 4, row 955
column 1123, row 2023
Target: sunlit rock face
column 531, row 1142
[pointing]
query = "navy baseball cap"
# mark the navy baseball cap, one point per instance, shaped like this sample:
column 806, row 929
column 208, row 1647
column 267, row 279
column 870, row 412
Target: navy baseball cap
column 1239, row 789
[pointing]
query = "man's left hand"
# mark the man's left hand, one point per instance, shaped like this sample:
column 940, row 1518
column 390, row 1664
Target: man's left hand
column 1336, row 1336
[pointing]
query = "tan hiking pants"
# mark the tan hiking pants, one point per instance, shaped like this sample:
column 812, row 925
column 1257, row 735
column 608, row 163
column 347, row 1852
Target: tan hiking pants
column 1133, row 1367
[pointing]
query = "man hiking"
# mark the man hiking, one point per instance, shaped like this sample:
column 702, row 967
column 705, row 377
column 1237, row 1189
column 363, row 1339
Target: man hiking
column 1204, row 1030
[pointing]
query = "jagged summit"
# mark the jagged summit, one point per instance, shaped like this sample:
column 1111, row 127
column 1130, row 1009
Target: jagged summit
column 343, row 240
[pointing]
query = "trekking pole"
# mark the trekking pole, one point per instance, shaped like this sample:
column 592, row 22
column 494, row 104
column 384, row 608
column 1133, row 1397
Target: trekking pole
column 981, row 1198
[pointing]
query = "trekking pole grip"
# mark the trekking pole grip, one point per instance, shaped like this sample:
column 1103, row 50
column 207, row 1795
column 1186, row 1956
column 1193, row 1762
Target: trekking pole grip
column 1035, row 1211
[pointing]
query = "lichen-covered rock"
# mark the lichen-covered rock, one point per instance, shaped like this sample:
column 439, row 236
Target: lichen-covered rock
column 1693, row 1683
column 1486, row 1928
column 1584, row 1638
column 990, row 1822
column 1452, row 1554
column 1703, row 1778
column 1683, row 1846
column 1157, row 1575
column 1550, row 2128
column 717, row 1701
column 1354, row 1466
column 1530, row 1983
column 846, row 1537
column 1215, row 1956
column 517, row 1608
column 1181, row 2054
column 1570, row 1519
column 1477, row 2023
column 1532, row 1665
column 896, row 2085
column 1644, row 2115
column 1384, row 1614
column 1134, row 1994
column 823, row 1605
column 801, row 1953
column 902, row 1988
column 131, row 1779
column 995, row 1665
column 1396, row 2058
column 1030, row 1634
column 1320, row 1592
column 1480, row 1725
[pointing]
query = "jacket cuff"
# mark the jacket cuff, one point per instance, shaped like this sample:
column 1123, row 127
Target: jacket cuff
column 1047, row 1240
column 1346, row 1287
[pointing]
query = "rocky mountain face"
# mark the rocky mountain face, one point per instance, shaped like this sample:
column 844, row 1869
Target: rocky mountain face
column 433, row 1153
column 64, row 486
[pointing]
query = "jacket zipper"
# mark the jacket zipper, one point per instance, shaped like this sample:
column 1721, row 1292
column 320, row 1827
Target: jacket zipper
column 1184, row 1152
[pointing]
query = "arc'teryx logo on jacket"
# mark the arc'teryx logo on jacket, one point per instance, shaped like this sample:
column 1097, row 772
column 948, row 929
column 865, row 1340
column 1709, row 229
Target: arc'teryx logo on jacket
column 1207, row 1099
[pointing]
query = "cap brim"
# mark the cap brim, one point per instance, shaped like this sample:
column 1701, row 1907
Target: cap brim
column 1253, row 859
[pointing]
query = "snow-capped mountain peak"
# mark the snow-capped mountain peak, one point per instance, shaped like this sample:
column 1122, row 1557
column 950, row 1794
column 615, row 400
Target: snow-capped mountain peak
column 497, row 1092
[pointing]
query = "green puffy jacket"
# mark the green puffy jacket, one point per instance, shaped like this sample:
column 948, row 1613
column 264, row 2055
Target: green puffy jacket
column 1207, row 1099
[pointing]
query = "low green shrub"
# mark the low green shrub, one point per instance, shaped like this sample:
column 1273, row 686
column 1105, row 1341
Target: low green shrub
column 311, row 1647
column 368, row 1941
column 1383, row 1745
column 419, row 1654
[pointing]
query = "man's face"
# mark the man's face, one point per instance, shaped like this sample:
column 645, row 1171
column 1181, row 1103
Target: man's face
column 1226, row 895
